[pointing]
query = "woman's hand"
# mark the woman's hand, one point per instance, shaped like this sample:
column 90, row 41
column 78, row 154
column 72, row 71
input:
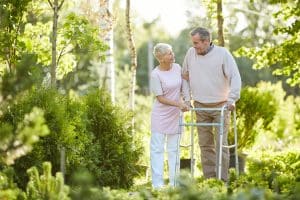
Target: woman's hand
column 183, row 107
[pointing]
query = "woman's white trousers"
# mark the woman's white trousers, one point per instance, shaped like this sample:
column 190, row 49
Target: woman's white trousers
column 157, row 149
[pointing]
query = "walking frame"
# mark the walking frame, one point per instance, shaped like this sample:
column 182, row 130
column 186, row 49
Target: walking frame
column 192, row 124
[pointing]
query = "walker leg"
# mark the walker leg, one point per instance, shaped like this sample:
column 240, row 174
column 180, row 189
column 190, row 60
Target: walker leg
column 235, row 144
column 219, row 171
column 192, row 147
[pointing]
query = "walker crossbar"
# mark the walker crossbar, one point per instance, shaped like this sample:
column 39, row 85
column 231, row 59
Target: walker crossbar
column 200, row 124
column 221, row 131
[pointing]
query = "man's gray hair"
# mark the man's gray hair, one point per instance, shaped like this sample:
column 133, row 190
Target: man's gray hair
column 161, row 49
column 203, row 33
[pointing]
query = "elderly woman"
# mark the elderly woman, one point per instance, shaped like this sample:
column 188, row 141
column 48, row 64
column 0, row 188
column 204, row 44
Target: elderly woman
column 166, row 84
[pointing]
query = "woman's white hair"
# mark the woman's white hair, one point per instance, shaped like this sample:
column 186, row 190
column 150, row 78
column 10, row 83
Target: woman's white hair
column 161, row 49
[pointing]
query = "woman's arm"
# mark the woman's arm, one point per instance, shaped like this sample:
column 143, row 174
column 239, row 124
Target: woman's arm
column 182, row 106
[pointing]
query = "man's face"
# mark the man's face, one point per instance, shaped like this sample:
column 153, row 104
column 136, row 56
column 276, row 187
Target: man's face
column 201, row 45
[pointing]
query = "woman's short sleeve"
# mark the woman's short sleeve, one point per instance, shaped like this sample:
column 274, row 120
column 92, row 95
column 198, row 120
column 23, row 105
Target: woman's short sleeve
column 156, row 85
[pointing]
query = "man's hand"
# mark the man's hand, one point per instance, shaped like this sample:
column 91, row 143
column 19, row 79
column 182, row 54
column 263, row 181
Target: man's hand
column 185, row 76
column 230, row 105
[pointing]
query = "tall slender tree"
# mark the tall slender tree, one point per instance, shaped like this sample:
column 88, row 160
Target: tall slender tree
column 56, row 6
column 106, row 25
column 133, row 59
column 220, row 20
column 215, row 11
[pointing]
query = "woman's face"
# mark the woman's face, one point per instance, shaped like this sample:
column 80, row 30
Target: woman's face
column 168, row 57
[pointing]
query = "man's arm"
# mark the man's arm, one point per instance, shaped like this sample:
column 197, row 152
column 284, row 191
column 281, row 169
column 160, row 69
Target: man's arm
column 232, row 72
column 185, row 83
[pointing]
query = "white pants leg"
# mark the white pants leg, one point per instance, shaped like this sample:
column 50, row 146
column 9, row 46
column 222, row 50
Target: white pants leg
column 173, row 157
column 157, row 157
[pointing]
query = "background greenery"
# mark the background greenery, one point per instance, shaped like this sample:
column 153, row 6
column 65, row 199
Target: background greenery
column 104, row 158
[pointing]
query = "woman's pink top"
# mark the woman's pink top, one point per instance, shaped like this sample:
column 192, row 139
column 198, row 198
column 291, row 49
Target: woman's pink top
column 165, row 118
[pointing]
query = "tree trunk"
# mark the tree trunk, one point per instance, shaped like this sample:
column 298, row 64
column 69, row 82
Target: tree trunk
column 107, row 35
column 220, row 23
column 150, row 63
column 133, row 61
column 55, row 7
column 54, row 39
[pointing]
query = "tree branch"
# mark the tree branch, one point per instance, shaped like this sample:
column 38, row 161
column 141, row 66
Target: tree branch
column 50, row 4
column 62, row 53
column 62, row 2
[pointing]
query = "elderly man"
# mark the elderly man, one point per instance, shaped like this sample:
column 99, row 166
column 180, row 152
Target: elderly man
column 212, row 79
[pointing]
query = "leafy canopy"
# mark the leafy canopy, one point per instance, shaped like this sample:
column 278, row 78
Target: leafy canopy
column 282, row 57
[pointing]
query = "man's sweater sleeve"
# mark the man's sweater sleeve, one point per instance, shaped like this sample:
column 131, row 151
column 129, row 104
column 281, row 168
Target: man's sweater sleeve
column 232, row 72
column 185, row 84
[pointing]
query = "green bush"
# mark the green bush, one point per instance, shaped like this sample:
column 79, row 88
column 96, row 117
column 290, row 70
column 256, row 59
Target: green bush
column 95, row 134
column 284, row 125
column 60, row 124
column 279, row 172
column 46, row 186
column 113, row 152
column 8, row 189
column 17, row 142
column 267, row 111
column 142, row 112
column 255, row 111
column 27, row 74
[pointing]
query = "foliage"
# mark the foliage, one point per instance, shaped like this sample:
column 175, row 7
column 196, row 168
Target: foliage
column 248, row 20
column 277, row 171
column 83, row 186
column 17, row 141
column 113, row 152
column 75, row 49
column 76, row 36
column 36, row 40
column 274, row 171
column 253, row 185
column 46, row 186
column 255, row 111
column 283, row 125
column 283, row 131
column 284, row 56
column 19, row 69
column 189, row 188
column 84, row 189
column 62, row 126
column 27, row 74
column 297, row 113
column 141, row 113
column 245, row 22
column 8, row 189
column 11, row 24
column 266, row 110
column 142, row 124
column 25, row 48
column 95, row 134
